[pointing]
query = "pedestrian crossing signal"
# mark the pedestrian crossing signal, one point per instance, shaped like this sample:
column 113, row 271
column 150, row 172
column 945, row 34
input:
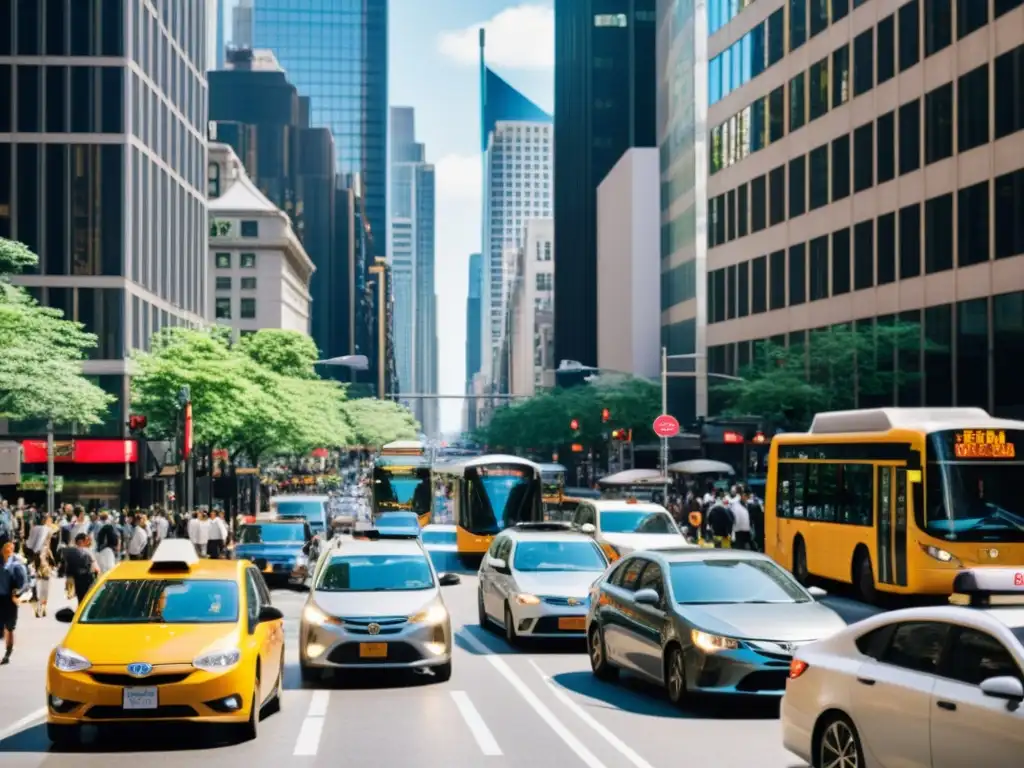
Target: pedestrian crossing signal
column 574, row 424
column 137, row 423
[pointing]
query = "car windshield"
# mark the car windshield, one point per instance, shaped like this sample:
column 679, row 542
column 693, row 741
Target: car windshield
column 712, row 581
column 376, row 573
column 163, row 601
column 257, row 533
column 1018, row 632
column 307, row 509
column 394, row 520
column 636, row 521
column 540, row 556
column 438, row 537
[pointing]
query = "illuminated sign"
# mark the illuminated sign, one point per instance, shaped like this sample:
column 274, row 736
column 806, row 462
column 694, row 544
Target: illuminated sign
column 501, row 472
column 732, row 438
column 983, row 444
column 395, row 470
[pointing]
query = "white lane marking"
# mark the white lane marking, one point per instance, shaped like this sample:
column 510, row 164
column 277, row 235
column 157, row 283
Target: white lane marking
column 620, row 746
column 308, row 742
column 484, row 738
column 531, row 698
column 26, row 722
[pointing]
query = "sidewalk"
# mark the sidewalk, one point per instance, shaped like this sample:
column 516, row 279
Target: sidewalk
column 23, row 681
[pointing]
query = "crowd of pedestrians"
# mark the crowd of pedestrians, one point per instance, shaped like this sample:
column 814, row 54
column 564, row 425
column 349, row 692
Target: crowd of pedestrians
column 720, row 517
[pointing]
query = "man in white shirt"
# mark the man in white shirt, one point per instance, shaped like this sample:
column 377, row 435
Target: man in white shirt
column 217, row 536
column 193, row 532
column 741, row 522
column 139, row 540
column 204, row 533
column 160, row 527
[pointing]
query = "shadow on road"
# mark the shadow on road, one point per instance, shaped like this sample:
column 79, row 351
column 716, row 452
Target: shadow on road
column 631, row 694
column 496, row 643
column 356, row 679
column 183, row 737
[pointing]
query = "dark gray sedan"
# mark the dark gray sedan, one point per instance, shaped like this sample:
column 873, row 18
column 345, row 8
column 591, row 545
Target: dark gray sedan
column 711, row 621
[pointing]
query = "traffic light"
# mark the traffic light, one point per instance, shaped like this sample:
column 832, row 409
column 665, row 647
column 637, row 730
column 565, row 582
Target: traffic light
column 623, row 435
column 574, row 425
column 136, row 423
column 606, row 415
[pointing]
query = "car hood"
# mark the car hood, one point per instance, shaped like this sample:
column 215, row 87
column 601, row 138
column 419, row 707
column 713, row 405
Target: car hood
column 374, row 604
column 633, row 542
column 556, row 583
column 120, row 644
column 251, row 551
column 787, row 622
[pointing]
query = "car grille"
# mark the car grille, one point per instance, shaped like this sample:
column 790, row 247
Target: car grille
column 389, row 625
column 763, row 680
column 129, row 681
column 548, row 625
column 564, row 601
column 398, row 653
column 104, row 712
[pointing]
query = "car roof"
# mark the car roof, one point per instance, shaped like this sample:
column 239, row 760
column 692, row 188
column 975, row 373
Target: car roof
column 300, row 497
column 226, row 570
column 622, row 505
column 1009, row 616
column 382, row 546
column 696, row 554
column 278, row 521
column 520, row 534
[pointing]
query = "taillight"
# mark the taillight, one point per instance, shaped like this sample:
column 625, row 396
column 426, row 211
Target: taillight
column 797, row 668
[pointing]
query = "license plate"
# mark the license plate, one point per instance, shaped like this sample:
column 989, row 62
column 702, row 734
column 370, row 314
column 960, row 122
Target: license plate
column 268, row 568
column 140, row 698
column 373, row 650
column 574, row 624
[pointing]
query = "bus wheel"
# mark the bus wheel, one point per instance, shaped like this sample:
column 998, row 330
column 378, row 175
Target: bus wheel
column 800, row 561
column 864, row 578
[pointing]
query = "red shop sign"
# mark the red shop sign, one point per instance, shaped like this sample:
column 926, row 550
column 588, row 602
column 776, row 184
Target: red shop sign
column 81, row 451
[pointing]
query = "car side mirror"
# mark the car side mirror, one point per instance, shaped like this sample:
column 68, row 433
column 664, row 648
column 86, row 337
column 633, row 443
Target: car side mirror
column 817, row 592
column 647, row 597
column 269, row 613
column 65, row 615
column 498, row 565
column 449, row 579
column 1008, row 688
column 588, row 528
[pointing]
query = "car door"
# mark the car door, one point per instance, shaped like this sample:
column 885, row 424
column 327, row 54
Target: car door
column 896, row 687
column 647, row 624
column 967, row 726
column 618, row 615
column 490, row 581
column 260, row 635
column 277, row 638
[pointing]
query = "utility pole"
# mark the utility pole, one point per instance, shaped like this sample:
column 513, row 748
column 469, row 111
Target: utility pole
column 51, row 481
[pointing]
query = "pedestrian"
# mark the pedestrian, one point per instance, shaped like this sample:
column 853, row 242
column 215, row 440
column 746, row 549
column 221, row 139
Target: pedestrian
column 6, row 524
column 741, row 536
column 80, row 567
column 194, row 531
column 13, row 579
column 218, row 534
column 108, row 543
column 139, row 539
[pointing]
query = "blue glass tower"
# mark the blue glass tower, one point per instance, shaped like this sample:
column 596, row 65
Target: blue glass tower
column 336, row 53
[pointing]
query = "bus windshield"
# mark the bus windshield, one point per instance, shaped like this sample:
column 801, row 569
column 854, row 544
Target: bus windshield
column 401, row 489
column 501, row 497
column 972, row 489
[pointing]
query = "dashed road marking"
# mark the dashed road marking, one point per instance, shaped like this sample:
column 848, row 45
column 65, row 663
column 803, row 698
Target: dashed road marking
column 308, row 742
column 484, row 738
column 29, row 720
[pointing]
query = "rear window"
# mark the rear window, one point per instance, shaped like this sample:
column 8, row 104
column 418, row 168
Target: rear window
column 163, row 601
column 636, row 521
column 256, row 533
column 313, row 511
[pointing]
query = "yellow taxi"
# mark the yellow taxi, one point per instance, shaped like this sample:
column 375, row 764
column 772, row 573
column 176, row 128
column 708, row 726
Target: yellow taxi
column 171, row 639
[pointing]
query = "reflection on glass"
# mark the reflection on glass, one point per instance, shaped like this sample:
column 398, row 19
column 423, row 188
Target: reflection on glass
column 733, row 581
column 163, row 601
column 636, row 521
column 376, row 573
column 547, row 556
column 271, row 534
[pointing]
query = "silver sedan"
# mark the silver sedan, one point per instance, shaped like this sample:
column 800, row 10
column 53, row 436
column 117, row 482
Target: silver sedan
column 703, row 621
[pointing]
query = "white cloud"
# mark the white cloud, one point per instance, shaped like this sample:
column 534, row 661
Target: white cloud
column 459, row 177
column 522, row 37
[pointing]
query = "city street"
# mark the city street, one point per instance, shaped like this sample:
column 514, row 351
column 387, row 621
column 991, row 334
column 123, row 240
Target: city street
column 537, row 707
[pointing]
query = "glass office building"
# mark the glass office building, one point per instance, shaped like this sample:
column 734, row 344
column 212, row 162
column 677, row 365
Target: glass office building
column 336, row 53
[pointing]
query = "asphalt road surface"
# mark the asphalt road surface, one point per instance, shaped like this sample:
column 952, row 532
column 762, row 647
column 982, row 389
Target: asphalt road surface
column 538, row 707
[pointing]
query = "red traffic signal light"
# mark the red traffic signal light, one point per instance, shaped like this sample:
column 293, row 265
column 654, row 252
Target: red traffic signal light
column 137, row 423
column 605, row 415
column 625, row 435
column 574, row 424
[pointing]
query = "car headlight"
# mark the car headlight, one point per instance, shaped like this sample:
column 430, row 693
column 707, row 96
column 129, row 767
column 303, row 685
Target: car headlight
column 527, row 599
column 314, row 615
column 713, row 643
column 68, row 661
column 941, row 555
column 435, row 614
column 218, row 660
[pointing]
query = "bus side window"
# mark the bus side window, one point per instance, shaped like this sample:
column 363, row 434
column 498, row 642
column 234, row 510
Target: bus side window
column 812, row 493
column 799, row 486
column 783, row 489
column 828, row 492
column 859, row 485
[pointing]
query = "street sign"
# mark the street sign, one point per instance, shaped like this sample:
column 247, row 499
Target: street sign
column 10, row 462
column 666, row 426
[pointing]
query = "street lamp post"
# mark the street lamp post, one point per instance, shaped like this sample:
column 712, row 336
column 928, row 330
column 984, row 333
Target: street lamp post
column 50, row 479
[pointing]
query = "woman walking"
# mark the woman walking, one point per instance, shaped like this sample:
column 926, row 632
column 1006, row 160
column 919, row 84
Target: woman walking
column 43, row 561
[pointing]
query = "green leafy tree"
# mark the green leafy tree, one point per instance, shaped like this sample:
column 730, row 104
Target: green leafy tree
column 378, row 422
column 288, row 353
column 42, row 353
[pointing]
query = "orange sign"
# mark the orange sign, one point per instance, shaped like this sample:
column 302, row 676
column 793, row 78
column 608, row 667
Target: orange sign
column 983, row 444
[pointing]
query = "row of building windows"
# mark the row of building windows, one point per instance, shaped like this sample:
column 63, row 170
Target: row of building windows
column 99, row 310
column 57, row 28
column 834, row 80
column 61, row 99
column 969, row 357
column 679, row 284
column 721, row 12
column 245, row 260
column 246, row 308
column 245, row 283
column 879, row 251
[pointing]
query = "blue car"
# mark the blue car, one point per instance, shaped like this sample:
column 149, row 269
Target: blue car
column 282, row 549
column 397, row 524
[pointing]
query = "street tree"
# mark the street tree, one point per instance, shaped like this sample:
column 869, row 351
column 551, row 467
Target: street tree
column 288, row 353
column 42, row 353
column 378, row 422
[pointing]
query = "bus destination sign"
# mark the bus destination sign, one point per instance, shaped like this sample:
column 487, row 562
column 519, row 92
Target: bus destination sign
column 501, row 472
column 983, row 444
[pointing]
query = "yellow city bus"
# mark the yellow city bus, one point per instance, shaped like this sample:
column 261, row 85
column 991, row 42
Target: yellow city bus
column 553, row 480
column 896, row 500
column 489, row 494
column 401, row 482
column 404, row 448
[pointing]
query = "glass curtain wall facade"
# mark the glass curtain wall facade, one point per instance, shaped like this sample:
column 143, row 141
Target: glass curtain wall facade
column 103, row 109
column 905, row 204
column 336, row 53
column 605, row 86
column 473, row 318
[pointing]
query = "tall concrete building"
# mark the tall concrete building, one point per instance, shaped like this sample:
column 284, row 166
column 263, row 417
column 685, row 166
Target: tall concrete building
column 864, row 164
column 473, row 322
column 604, row 104
column 103, row 170
column 412, row 267
column 337, row 54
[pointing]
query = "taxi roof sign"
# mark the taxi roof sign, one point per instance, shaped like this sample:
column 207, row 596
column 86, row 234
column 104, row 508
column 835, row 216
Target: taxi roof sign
column 174, row 555
column 978, row 587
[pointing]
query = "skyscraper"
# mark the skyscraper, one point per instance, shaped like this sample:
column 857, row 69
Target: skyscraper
column 337, row 54
column 113, row 197
column 517, row 144
column 604, row 104
column 412, row 263
column 473, row 322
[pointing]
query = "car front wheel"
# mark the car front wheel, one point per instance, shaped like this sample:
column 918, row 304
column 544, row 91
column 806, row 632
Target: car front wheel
column 839, row 745
column 675, row 675
column 598, row 655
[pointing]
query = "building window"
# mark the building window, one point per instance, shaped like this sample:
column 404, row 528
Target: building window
column 759, row 285
column 885, row 69
column 817, row 96
column 886, row 141
column 972, row 238
column 938, row 360
column 223, row 308
column 1002, row 7
column 1009, row 85
column 213, row 180
column 223, row 283
column 840, row 262
column 863, row 62
column 545, row 281
column 776, row 115
column 970, row 17
column 1008, row 340
column 840, row 9
column 730, row 212
column 819, row 268
column 910, row 241
column 247, row 260
column 758, row 203
column 250, row 229
column 247, row 309
column 863, row 255
column 730, row 293
column 819, row 16
column 797, row 186
column 248, row 283
column 910, row 136
column 743, row 289
column 777, row 196
column 972, row 109
column 777, row 286
column 819, row 177
column 797, row 23
column 797, row 102
column 938, row 234
column 972, row 353
column 611, row 20
column 938, row 124
column 1009, row 214
column 841, row 168
column 910, row 35
column 863, row 157
column 741, row 211
column 938, row 25
column 797, row 274
column 840, row 76
column 885, row 248
column 223, row 260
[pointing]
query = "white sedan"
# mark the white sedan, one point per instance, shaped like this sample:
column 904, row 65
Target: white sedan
column 938, row 687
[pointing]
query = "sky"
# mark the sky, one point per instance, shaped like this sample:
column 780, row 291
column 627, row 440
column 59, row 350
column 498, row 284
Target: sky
column 434, row 68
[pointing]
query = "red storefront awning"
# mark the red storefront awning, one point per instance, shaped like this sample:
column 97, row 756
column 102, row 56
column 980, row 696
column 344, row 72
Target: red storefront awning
column 81, row 451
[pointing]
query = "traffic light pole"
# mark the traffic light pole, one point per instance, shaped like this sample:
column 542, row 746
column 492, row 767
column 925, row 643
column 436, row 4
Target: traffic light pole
column 664, row 409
